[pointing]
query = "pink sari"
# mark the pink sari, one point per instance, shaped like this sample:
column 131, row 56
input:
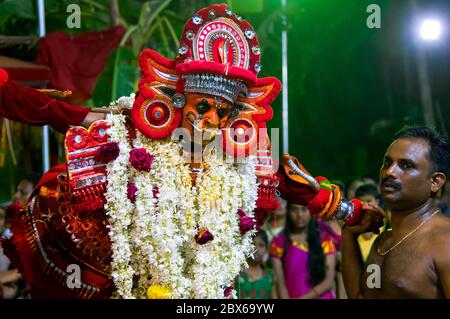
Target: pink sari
column 295, row 264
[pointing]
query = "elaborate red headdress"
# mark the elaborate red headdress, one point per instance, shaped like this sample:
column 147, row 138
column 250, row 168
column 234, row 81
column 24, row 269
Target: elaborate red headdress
column 219, row 55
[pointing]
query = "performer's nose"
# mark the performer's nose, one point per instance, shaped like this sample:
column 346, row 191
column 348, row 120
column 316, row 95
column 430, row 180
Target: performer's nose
column 211, row 119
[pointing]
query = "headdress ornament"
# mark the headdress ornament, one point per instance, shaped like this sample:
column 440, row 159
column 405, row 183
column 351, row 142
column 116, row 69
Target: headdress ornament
column 219, row 55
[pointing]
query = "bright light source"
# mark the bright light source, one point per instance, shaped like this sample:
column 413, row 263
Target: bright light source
column 430, row 29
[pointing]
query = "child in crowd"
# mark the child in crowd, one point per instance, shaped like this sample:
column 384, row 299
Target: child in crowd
column 256, row 282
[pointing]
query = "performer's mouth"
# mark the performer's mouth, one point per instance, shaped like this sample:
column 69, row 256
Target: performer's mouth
column 193, row 125
column 207, row 134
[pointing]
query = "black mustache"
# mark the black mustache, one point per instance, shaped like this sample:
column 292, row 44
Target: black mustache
column 391, row 183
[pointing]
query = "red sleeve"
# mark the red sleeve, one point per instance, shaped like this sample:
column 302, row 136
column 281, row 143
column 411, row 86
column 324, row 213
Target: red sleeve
column 26, row 105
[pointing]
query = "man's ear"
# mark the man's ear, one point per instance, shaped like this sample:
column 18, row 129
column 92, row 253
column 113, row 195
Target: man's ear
column 438, row 180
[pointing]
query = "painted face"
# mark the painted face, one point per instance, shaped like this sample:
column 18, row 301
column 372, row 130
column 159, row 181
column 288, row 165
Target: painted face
column 405, row 179
column 299, row 216
column 206, row 114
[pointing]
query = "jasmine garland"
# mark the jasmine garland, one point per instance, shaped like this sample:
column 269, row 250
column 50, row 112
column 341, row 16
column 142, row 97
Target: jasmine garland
column 154, row 236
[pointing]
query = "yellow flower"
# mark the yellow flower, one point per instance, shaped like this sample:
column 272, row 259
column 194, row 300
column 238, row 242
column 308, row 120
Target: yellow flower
column 158, row 292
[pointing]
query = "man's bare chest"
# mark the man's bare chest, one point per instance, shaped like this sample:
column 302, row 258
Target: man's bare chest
column 405, row 272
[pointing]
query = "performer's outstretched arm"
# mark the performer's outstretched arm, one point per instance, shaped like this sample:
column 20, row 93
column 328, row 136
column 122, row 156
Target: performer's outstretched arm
column 27, row 105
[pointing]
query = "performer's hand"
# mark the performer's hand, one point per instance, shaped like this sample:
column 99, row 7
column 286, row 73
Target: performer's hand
column 92, row 117
column 371, row 221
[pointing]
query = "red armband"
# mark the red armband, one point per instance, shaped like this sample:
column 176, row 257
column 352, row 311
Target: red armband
column 357, row 213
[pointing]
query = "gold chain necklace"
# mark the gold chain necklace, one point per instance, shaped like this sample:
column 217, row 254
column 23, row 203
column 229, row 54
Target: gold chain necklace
column 404, row 238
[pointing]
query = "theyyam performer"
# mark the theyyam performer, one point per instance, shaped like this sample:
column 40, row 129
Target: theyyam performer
column 161, row 198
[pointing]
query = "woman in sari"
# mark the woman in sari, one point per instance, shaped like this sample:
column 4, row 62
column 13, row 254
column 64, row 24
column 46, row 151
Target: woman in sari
column 303, row 257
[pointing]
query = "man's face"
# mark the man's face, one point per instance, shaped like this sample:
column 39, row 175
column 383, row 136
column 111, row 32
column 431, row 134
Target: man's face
column 24, row 189
column 206, row 114
column 405, row 177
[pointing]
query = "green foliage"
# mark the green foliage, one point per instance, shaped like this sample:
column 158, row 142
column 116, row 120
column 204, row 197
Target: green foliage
column 149, row 22
column 10, row 9
column 118, row 79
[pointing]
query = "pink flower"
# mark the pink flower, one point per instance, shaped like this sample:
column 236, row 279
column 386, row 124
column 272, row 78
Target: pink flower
column 131, row 192
column 203, row 236
column 155, row 191
column 246, row 222
column 140, row 159
column 108, row 152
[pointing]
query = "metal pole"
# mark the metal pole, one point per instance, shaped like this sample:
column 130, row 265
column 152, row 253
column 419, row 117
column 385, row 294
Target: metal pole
column 424, row 80
column 284, row 63
column 45, row 130
column 425, row 89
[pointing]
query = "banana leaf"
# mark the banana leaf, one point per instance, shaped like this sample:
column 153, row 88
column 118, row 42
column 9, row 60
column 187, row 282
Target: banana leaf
column 117, row 79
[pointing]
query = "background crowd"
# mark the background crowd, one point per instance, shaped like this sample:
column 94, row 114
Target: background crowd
column 297, row 257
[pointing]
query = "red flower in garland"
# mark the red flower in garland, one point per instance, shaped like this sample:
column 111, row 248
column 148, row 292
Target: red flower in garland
column 246, row 222
column 203, row 236
column 140, row 159
column 108, row 152
column 228, row 291
column 155, row 191
column 131, row 192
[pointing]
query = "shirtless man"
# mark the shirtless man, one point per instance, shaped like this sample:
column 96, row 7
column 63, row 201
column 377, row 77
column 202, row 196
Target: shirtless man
column 414, row 258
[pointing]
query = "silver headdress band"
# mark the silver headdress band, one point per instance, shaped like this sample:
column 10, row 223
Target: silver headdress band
column 212, row 84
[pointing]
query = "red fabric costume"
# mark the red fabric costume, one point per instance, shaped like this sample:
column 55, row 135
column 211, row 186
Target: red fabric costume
column 76, row 61
column 26, row 105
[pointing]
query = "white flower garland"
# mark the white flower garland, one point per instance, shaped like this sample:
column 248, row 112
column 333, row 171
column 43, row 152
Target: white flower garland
column 221, row 192
column 166, row 221
column 155, row 236
column 118, row 208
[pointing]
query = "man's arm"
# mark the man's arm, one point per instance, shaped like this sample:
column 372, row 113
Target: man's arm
column 442, row 262
column 352, row 264
column 352, row 261
column 29, row 106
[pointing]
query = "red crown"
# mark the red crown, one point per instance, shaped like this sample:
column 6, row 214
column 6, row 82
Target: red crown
column 219, row 55
column 217, row 41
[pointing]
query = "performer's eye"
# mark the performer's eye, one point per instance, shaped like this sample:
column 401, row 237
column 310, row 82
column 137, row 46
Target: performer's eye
column 203, row 107
column 222, row 112
column 234, row 111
